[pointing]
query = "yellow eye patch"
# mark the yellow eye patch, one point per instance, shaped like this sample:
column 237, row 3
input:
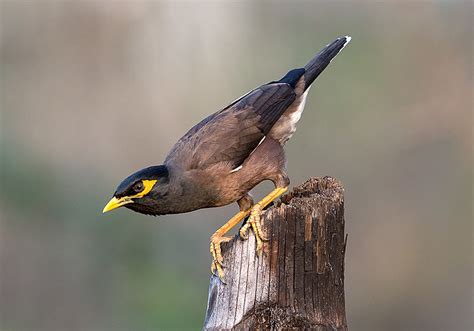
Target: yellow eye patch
column 115, row 203
column 147, row 187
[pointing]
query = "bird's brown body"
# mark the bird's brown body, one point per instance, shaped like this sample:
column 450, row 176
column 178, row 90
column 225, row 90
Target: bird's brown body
column 218, row 185
column 219, row 160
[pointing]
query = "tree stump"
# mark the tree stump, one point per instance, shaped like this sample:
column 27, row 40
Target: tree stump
column 298, row 282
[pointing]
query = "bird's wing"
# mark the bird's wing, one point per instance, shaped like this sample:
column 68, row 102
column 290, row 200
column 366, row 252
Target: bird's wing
column 231, row 134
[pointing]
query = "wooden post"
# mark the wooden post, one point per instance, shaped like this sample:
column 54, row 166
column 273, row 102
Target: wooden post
column 298, row 282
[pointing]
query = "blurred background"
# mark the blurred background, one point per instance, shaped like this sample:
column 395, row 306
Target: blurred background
column 92, row 91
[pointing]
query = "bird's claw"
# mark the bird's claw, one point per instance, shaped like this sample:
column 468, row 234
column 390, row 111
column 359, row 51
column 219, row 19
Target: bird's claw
column 217, row 265
column 253, row 222
column 244, row 231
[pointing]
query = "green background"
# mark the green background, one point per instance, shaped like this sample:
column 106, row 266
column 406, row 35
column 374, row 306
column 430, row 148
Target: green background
column 94, row 90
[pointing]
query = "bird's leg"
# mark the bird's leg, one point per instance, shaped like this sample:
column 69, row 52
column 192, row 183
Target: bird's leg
column 218, row 237
column 254, row 219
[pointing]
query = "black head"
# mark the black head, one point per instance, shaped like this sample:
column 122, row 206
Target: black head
column 140, row 190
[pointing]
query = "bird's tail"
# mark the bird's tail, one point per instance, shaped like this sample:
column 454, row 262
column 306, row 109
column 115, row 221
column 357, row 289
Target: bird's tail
column 322, row 59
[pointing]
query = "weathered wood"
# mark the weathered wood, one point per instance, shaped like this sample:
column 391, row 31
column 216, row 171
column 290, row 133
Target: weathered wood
column 298, row 282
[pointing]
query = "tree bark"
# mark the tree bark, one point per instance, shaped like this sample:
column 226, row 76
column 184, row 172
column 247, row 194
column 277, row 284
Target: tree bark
column 298, row 281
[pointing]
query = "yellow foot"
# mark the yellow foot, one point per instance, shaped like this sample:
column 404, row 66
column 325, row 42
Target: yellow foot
column 254, row 223
column 217, row 259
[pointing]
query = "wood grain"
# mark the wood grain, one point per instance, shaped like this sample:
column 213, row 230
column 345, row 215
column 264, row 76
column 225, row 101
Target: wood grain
column 298, row 282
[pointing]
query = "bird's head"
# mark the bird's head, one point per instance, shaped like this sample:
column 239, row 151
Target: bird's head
column 141, row 191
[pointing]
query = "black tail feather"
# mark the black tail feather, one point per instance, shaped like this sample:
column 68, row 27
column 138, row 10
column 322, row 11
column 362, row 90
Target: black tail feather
column 322, row 59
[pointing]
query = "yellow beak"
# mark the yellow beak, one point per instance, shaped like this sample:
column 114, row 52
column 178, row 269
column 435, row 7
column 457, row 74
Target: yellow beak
column 115, row 203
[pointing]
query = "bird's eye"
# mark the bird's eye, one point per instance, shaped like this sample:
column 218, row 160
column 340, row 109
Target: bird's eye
column 138, row 187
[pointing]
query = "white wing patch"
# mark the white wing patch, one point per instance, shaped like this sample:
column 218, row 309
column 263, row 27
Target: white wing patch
column 236, row 169
column 240, row 166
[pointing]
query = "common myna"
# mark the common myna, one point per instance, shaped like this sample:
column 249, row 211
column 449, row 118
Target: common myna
column 223, row 157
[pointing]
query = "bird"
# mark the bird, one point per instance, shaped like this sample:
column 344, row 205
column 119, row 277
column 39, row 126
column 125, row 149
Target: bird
column 219, row 160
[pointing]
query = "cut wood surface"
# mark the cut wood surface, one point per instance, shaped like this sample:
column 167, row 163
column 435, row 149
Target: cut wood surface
column 298, row 282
